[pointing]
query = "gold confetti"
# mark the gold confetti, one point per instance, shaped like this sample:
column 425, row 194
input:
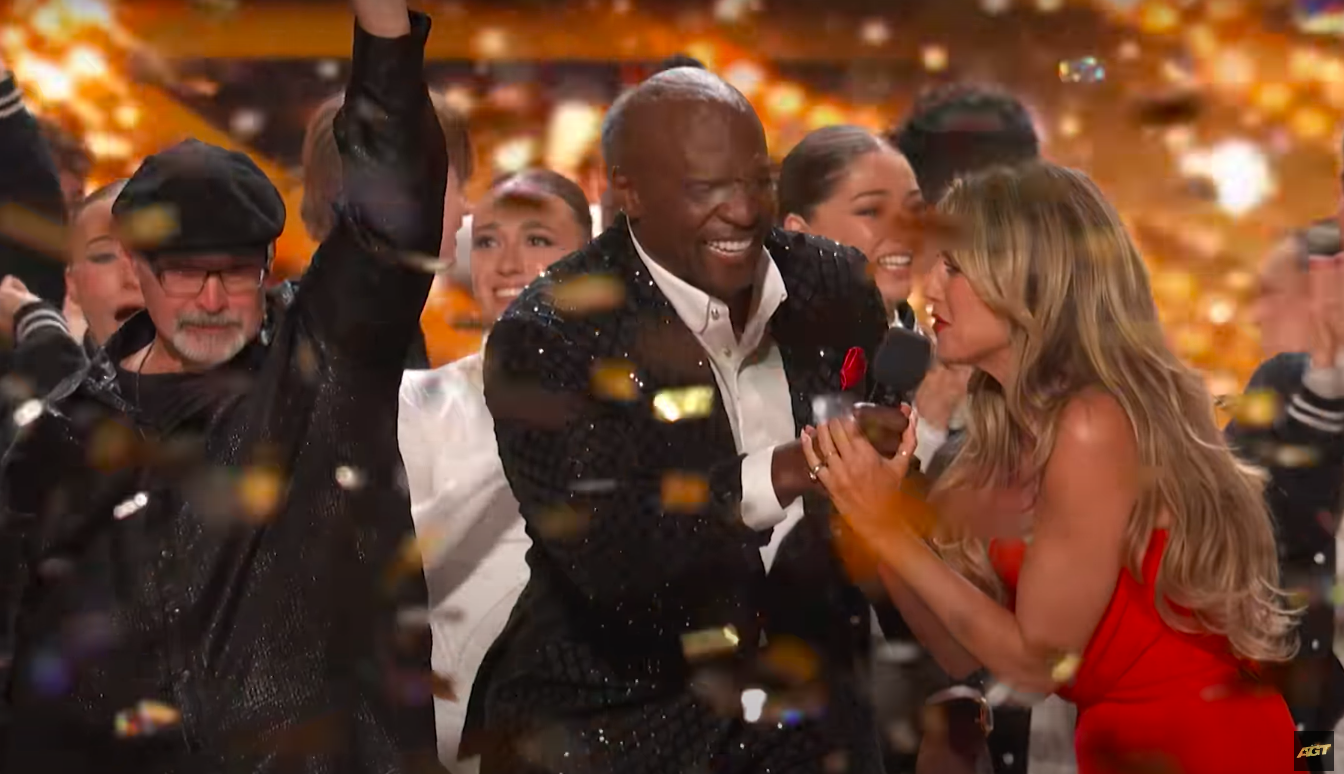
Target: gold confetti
column 149, row 227
column 259, row 492
column 791, row 659
column 1257, row 408
column 111, row 446
column 588, row 294
column 145, row 718
column 442, row 686
column 708, row 643
column 615, row 380
column 1065, row 668
column 561, row 523
column 684, row 492
column 27, row 227
column 674, row 405
column 1288, row 456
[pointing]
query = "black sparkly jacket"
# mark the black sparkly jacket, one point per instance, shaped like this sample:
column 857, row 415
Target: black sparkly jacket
column 271, row 639
column 590, row 673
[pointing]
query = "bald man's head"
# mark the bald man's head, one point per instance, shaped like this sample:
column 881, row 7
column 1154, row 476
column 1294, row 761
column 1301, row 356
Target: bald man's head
column 680, row 85
column 687, row 159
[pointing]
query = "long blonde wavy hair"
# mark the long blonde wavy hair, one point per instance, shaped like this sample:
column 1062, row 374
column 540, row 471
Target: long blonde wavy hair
column 1046, row 252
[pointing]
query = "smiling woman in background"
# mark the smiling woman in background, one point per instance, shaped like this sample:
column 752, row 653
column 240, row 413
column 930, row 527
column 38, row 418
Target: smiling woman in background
column 466, row 519
column 846, row 184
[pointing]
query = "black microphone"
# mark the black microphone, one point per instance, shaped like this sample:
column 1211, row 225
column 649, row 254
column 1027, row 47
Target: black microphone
column 900, row 364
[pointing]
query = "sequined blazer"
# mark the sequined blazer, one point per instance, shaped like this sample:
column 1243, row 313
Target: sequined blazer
column 638, row 543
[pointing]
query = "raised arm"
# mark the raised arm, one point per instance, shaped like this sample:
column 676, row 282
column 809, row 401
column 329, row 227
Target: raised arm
column 30, row 187
column 363, row 293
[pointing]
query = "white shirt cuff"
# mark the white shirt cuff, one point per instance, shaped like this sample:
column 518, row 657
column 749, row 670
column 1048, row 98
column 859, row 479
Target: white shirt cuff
column 928, row 440
column 760, row 507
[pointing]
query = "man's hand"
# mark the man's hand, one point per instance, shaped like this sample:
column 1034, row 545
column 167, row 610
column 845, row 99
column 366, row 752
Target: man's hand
column 943, row 389
column 883, row 426
column 383, row 18
column 14, row 295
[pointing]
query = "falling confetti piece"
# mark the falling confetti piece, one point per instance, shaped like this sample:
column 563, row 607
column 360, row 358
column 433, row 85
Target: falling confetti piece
column 792, row 660
column 30, row 228
column 1083, row 70
column 674, row 405
column 259, row 492
column 588, row 294
column 429, row 264
column 684, row 492
column 149, row 226
column 146, row 718
column 442, row 687
column 753, row 702
column 131, row 506
column 1288, row 456
column 349, row 478
column 615, row 380
column 708, row 643
column 27, row 412
column 561, row 523
column 1257, row 408
column 1065, row 668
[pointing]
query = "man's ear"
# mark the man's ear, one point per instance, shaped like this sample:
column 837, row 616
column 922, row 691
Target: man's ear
column 794, row 222
column 624, row 194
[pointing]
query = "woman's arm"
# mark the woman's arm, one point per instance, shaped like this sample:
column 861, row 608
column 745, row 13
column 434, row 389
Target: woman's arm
column 955, row 660
column 1089, row 489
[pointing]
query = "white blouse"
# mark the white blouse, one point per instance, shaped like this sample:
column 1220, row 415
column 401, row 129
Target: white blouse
column 468, row 525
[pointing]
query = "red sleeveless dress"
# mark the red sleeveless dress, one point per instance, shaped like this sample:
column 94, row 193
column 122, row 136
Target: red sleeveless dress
column 1153, row 699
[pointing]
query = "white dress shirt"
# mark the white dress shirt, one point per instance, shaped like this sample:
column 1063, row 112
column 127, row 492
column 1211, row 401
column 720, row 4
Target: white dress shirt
column 750, row 376
column 467, row 521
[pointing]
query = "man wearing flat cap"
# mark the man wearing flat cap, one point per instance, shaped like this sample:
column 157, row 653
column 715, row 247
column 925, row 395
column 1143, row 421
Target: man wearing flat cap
column 217, row 568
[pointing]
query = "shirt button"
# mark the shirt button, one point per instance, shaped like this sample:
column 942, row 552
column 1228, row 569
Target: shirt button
column 714, row 313
column 727, row 353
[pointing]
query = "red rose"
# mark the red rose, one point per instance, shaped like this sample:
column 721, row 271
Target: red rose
column 854, row 369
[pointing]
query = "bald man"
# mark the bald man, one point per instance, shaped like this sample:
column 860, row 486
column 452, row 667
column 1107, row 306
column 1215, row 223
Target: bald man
column 682, row 556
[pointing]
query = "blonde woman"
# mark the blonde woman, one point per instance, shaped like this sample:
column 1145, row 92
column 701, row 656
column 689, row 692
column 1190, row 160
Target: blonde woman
column 1132, row 564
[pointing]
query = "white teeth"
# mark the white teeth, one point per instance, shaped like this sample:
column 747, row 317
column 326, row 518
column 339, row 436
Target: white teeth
column 898, row 261
column 508, row 292
column 725, row 246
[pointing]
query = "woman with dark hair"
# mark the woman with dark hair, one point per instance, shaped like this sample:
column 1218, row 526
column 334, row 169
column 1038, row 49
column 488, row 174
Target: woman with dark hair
column 466, row 519
column 847, row 184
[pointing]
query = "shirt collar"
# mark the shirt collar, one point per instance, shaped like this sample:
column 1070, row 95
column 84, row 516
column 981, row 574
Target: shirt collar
column 694, row 305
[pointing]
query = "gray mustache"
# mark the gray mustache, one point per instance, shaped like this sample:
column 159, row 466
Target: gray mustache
column 208, row 321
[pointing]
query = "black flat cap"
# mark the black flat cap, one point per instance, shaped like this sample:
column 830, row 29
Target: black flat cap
column 196, row 198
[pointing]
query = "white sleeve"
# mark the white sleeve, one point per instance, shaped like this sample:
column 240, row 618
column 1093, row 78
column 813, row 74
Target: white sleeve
column 760, row 506
column 928, row 440
column 453, row 474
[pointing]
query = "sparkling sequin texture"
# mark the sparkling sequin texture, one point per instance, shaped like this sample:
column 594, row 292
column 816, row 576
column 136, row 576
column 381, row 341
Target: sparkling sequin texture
column 592, row 672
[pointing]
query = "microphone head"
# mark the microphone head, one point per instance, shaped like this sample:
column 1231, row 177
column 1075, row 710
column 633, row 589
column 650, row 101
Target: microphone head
column 902, row 360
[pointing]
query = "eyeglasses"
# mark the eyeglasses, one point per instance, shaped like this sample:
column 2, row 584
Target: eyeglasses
column 187, row 283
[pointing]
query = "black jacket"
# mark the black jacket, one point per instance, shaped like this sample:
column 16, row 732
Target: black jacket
column 1303, row 450
column 32, row 205
column 272, row 637
column 592, row 657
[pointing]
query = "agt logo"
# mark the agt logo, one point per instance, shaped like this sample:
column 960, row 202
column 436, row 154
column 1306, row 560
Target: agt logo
column 1314, row 751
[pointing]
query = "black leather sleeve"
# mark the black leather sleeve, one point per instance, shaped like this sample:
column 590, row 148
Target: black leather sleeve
column 362, row 295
